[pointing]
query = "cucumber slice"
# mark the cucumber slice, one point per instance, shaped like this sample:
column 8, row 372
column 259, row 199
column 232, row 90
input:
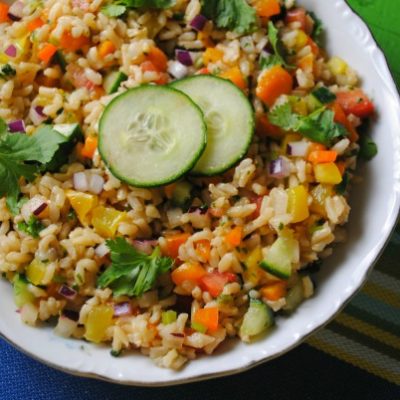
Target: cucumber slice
column 230, row 121
column 113, row 81
column 22, row 295
column 279, row 257
column 294, row 297
column 151, row 135
column 257, row 320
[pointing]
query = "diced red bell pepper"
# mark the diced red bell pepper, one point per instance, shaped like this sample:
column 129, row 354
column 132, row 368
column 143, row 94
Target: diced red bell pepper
column 356, row 102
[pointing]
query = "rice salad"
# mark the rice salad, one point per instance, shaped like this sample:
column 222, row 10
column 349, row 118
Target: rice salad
column 172, row 173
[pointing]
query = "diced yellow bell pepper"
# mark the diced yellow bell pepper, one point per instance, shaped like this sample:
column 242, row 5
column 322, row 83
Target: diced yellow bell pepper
column 319, row 194
column 253, row 272
column 327, row 173
column 301, row 40
column 35, row 272
column 212, row 55
column 298, row 203
column 83, row 204
column 106, row 220
column 337, row 66
column 98, row 320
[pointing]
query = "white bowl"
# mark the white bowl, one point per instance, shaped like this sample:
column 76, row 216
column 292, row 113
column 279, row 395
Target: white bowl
column 376, row 203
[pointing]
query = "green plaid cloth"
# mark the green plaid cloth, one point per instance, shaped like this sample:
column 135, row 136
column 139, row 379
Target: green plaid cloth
column 366, row 333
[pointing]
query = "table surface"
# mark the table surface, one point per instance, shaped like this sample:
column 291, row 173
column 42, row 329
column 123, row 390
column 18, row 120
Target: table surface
column 356, row 357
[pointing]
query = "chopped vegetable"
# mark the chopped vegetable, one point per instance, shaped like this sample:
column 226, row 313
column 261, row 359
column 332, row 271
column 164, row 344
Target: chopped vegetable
column 168, row 317
column 234, row 236
column 173, row 242
column 319, row 126
column 325, row 156
column 272, row 83
column 235, row 15
column 341, row 188
column 198, row 327
column 4, row 13
column 158, row 58
column 368, row 148
column 214, row 282
column 212, row 55
column 274, row 291
column 277, row 46
column 7, row 71
column 90, row 147
column 198, row 22
column 120, row 7
column 298, row 203
column 356, row 102
column 70, row 43
column 22, row 295
column 324, row 95
column 192, row 272
column 267, row 8
column 253, row 273
column 83, row 204
column 105, row 220
column 32, row 228
column 132, row 273
column 47, row 52
column 114, row 10
column 203, row 249
column 319, row 194
column 98, row 320
column 327, row 173
column 207, row 317
column 35, row 24
column 318, row 29
column 36, row 271
column 235, row 76
column 298, row 15
column 106, row 48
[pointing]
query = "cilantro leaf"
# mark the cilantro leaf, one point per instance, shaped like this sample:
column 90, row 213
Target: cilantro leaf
column 277, row 46
column 318, row 30
column 132, row 273
column 235, row 15
column 368, row 148
column 15, row 205
column 32, row 227
column 319, row 126
column 7, row 71
column 269, row 61
column 21, row 156
column 117, row 8
column 324, row 95
column 341, row 188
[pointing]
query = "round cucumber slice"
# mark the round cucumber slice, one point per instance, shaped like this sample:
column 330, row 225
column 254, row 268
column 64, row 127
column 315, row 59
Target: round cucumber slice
column 151, row 135
column 229, row 117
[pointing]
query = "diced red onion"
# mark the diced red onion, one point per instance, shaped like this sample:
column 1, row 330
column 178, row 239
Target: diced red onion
column 36, row 115
column 102, row 250
column 67, row 292
column 145, row 246
column 11, row 51
column 123, row 309
column 15, row 12
column 198, row 210
column 17, row 126
column 37, row 211
column 298, row 149
column 177, row 70
column 184, row 57
column 80, row 182
column 96, row 184
column 198, row 22
column 279, row 168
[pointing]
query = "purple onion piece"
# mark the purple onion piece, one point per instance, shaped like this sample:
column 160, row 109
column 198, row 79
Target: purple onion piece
column 198, row 22
column 184, row 57
column 123, row 309
column 145, row 246
column 17, row 126
column 279, row 168
column 67, row 292
column 37, row 211
column 37, row 115
column 198, row 210
column 39, row 110
column 15, row 12
column 11, row 51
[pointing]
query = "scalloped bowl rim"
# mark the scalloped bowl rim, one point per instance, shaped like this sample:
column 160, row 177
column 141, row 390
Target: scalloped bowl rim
column 90, row 361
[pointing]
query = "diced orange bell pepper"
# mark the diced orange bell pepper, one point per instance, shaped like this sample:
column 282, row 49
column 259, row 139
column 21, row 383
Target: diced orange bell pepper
column 307, row 63
column 316, row 147
column 274, row 291
column 83, row 204
column 158, row 58
column 90, row 147
column 174, row 242
column 203, row 71
column 234, row 237
column 212, row 55
column 106, row 48
column 272, row 83
column 235, row 76
column 192, row 272
column 71, row 43
column 326, row 156
column 267, row 8
column 35, row 24
column 47, row 52
column 4, row 13
column 208, row 317
column 299, row 15
column 340, row 117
